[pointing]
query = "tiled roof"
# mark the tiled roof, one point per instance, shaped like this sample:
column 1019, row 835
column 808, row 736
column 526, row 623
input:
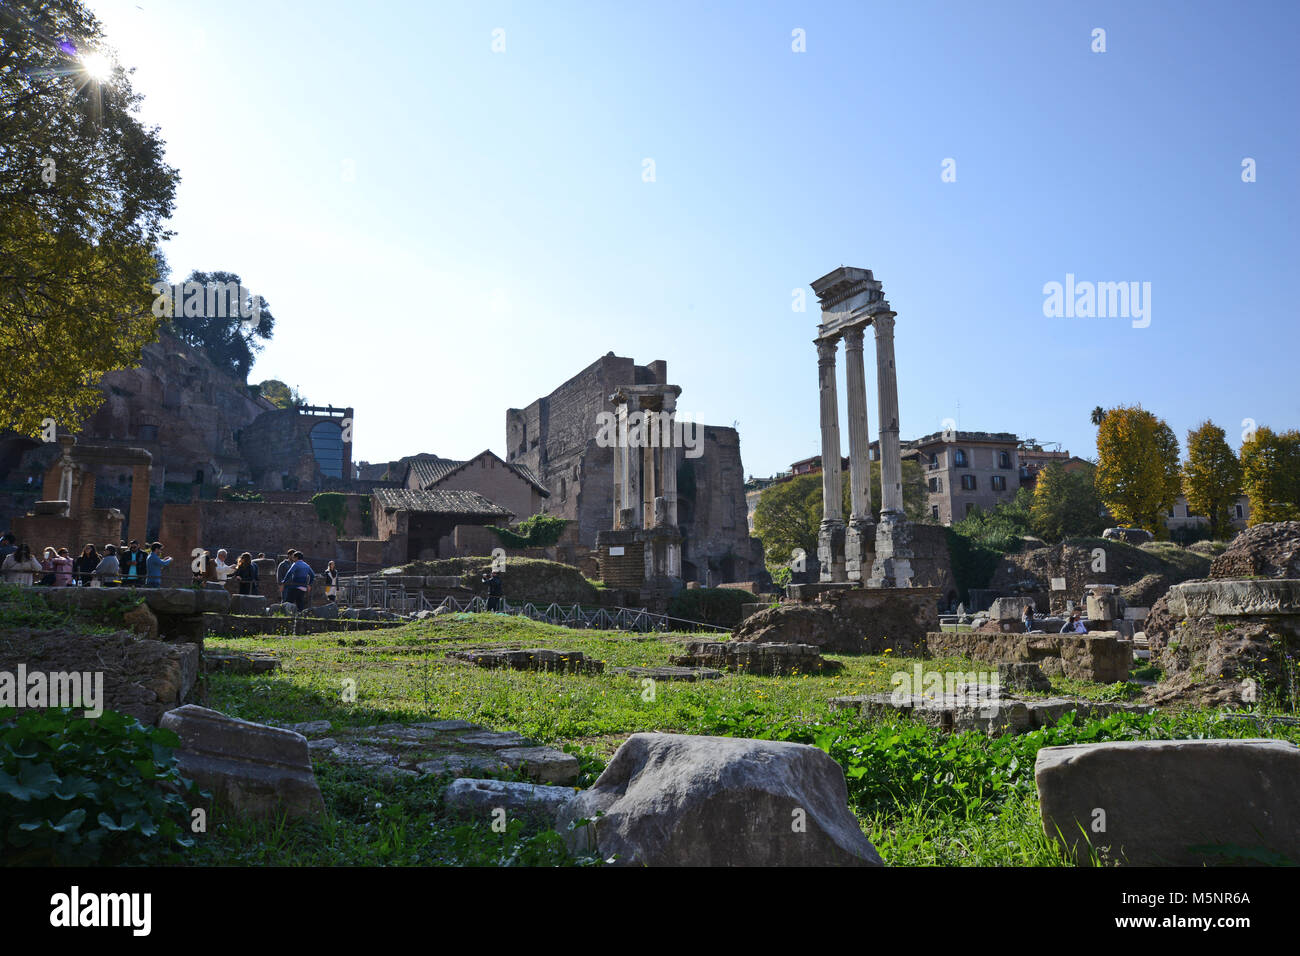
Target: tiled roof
column 430, row 468
column 438, row 502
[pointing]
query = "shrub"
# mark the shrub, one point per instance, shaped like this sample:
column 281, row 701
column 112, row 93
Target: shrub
column 720, row 606
column 539, row 531
column 75, row 790
column 331, row 507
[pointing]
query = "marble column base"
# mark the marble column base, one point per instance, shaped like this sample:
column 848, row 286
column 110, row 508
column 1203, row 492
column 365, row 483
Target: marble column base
column 830, row 550
column 859, row 548
column 892, row 565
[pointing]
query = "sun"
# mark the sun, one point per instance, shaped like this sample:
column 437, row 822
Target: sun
column 97, row 66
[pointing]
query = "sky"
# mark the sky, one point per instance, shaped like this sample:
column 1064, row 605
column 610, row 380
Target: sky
column 444, row 230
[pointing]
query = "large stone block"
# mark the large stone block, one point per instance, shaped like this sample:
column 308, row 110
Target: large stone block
column 676, row 800
column 247, row 604
column 1235, row 598
column 1171, row 802
column 250, row 769
column 1100, row 657
column 172, row 600
column 485, row 796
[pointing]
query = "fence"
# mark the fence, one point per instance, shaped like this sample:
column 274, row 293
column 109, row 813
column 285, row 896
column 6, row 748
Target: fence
column 375, row 591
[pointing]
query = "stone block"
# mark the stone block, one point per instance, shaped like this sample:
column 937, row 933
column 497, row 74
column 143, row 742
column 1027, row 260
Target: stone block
column 250, row 769
column 677, row 800
column 247, row 604
column 484, row 796
column 1172, row 802
column 543, row 764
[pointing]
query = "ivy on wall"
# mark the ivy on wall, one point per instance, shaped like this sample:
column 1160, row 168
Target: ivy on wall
column 539, row 531
column 331, row 506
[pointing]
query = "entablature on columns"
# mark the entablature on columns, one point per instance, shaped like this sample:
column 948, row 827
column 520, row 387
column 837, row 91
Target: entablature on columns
column 850, row 298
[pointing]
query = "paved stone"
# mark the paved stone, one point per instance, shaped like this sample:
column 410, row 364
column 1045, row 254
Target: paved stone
column 669, row 673
column 312, row 727
column 493, row 738
column 487, row 795
column 251, row 663
column 463, row 763
column 543, row 764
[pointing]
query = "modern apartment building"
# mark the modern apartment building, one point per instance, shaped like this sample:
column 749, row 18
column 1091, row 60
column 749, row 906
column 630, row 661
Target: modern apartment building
column 967, row 470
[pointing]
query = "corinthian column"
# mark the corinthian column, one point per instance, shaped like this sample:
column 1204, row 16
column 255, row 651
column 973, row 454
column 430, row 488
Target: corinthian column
column 891, row 465
column 859, row 442
column 830, row 542
column 859, row 535
column 669, row 453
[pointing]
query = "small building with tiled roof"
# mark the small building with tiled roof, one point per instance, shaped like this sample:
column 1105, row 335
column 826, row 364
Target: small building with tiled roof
column 512, row 486
column 427, row 519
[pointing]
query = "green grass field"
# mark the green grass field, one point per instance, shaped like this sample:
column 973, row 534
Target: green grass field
column 924, row 798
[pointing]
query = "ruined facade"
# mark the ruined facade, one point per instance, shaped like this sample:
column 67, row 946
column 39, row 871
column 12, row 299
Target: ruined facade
column 555, row 438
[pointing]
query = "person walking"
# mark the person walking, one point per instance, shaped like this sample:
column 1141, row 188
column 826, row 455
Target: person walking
column 20, row 567
column 62, row 569
column 298, row 580
column 495, row 590
column 85, row 565
column 331, row 576
column 109, row 568
column 1027, row 619
column 155, row 564
column 224, row 570
column 246, row 574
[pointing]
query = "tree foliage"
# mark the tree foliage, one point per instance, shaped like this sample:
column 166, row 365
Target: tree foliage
column 1270, row 475
column 84, row 193
column 280, row 394
column 1211, row 477
column 1138, row 474
column 1001, row 529
column 789, row 514
column 1066, row 504
column 217, row 314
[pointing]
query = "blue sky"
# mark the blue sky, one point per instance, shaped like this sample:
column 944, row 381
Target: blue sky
column 444, row 231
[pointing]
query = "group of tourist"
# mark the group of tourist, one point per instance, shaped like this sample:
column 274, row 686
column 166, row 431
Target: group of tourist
column 133, row 566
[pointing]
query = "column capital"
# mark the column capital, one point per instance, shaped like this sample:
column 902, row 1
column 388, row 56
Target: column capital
column 826, row 350
column 853, row 338
column 884, row 324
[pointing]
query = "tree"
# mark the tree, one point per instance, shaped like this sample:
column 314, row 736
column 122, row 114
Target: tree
column 787, row 517
column 1211, row 477
column 1270, row 475
column 84, row 193
column 1138, row 474
column 1066, row 504
column 1098, row 414
column 280, row 394
column 789, row 514
column 213, row 311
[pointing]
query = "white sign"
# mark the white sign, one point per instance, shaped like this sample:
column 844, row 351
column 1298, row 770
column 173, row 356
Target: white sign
column 616, row 552
column 1058, row 584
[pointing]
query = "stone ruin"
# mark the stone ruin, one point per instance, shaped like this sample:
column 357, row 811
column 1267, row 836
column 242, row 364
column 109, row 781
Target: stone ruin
column 532, row 659
column 762, row 659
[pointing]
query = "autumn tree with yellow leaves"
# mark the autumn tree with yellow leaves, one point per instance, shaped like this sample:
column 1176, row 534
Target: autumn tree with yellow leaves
column 1211, row 477
column 1138, row 473
column 1270, row 475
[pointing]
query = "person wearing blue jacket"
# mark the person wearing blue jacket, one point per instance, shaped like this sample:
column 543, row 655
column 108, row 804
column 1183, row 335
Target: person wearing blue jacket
column 298, row 581
column 154, row 565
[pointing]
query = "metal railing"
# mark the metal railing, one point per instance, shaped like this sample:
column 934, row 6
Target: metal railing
column 375, row 591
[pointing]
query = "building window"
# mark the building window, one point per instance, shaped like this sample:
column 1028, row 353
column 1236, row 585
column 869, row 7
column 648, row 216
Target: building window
column 934, row 512
column 968, row 482
column 1240, row 512
column 934, row 461
column 970, row 506
column 936, row 484
column 959, row 458
column 1004, row 459
column 327, row 448
column 999, row 482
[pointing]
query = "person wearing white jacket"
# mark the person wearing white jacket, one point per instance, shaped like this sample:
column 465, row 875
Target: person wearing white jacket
column 20, row 567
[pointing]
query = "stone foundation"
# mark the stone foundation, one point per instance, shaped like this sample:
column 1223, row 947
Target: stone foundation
column 1100, row 657
column 751, row 658
column 848, row 619
column 534, row 659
